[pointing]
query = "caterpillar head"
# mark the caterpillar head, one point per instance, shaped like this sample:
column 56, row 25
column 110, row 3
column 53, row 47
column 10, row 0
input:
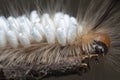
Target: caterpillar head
column 95, row 43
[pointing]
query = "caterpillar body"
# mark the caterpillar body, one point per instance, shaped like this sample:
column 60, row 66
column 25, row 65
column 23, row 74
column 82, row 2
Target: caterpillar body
column 54, row 42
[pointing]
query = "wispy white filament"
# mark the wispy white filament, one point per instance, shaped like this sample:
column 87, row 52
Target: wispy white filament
column 60, row 28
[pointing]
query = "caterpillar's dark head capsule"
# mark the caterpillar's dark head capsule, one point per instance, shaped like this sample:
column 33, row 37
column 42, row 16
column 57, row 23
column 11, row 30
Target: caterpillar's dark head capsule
column 99, row 47
column 96, row 43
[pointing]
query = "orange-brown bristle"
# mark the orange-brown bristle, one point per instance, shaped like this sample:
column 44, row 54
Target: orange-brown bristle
column 103, row 38
column 91, row 36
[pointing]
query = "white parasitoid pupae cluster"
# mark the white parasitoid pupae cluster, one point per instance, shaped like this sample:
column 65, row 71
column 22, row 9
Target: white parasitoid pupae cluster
column 22, row 30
